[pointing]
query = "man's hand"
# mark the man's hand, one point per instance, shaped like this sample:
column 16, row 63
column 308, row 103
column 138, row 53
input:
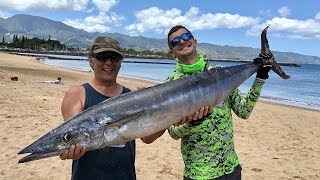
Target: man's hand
column 198, row 116
column 74, row 152
column 264, row 68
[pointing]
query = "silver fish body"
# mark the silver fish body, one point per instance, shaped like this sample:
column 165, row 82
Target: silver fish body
column 140, row 113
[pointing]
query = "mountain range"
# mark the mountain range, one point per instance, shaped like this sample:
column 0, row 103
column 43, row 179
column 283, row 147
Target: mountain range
column 40, row 27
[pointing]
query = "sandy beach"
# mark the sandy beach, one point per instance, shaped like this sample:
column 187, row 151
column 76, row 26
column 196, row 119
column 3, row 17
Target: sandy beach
column 276, row 143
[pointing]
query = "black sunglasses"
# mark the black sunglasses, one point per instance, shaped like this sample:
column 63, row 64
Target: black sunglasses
column 104, row 57
column 185, row 36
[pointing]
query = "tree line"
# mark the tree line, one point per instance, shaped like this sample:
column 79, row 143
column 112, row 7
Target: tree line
column 36, row 44
column 145, row 53
column 25, row 43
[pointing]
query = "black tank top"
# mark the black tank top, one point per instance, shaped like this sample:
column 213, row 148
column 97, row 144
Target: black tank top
column 107, row 163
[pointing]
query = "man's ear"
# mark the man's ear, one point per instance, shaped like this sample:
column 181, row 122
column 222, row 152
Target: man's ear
column 91, row 63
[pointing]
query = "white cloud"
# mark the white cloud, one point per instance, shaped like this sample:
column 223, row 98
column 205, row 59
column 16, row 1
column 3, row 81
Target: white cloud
column 291, row 28
column 43, row 5
column 105, row 5
column 90, row 27
column 100, row 19
column 284, row 11
column 4, row 14
column 95, row 23
column 159, row 20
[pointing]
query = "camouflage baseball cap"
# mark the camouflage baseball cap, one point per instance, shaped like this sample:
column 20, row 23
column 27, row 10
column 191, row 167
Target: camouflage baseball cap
column 101, row 44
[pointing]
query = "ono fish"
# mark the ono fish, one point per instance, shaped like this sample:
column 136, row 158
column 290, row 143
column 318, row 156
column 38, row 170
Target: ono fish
column 143, row 112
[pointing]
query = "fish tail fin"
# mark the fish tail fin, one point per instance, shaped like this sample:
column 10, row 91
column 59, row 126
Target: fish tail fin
column 206, row 68
column 267, row 57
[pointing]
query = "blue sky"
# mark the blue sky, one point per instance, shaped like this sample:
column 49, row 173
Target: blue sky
column 294, row 25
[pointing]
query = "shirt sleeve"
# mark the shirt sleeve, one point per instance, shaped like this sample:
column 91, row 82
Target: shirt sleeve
column 177, row 132
column 242, row 105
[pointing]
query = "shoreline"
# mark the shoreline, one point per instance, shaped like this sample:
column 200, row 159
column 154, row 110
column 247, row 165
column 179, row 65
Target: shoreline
column 289, row 103
column 269, row 144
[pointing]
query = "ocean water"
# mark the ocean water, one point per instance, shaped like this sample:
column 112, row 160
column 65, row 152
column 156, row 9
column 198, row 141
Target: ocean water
column 301, row 90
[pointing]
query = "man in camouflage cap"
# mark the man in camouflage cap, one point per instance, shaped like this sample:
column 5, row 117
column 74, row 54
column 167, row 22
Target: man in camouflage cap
column 109, row 162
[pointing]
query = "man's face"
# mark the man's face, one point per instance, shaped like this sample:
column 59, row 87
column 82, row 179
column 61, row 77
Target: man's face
column 105, row 66
column 185, row 47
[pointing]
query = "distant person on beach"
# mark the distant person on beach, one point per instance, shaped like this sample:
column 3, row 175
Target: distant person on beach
column 58, row 81
column 109, row 162
column 207, row 145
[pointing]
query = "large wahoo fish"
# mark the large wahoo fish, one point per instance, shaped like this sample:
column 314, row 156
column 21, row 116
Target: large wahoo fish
column 143, row 112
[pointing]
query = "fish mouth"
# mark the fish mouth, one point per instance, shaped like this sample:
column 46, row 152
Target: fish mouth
column 39, row 155
column 38, row 150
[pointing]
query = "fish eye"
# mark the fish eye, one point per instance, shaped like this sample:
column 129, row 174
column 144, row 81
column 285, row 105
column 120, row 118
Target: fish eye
column 66, row 137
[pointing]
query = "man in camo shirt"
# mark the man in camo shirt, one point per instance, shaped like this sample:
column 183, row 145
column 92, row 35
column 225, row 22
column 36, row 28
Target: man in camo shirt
column 207, row 146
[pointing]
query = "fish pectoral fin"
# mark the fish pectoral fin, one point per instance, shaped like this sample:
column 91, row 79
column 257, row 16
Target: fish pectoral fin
column 126, row 119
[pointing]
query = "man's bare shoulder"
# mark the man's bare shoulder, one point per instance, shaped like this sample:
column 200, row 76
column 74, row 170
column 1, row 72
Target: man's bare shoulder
column 76, row 89
column 72, row 103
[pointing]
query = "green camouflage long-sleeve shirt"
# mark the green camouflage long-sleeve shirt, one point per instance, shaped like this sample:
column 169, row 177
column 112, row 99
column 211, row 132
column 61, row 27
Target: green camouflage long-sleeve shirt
column 208, row 149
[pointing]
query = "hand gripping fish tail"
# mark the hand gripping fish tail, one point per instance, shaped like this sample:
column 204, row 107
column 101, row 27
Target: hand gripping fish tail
column 266, row 58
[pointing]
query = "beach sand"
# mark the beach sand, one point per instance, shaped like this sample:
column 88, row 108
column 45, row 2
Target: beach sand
column 276, row 142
